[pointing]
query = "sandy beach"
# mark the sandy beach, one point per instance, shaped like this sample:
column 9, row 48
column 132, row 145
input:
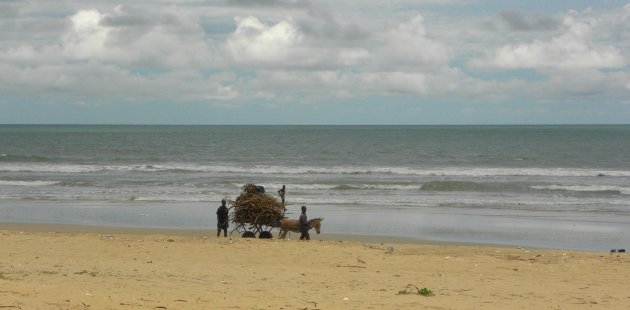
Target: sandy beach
column 52, row 267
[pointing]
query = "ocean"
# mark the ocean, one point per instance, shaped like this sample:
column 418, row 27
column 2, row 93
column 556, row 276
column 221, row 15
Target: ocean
column 543, row 186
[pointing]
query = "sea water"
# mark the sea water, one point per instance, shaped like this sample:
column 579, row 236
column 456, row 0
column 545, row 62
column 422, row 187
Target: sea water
column 555, row 186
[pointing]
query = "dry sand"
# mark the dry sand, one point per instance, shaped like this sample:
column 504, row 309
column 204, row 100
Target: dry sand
column 136, row 269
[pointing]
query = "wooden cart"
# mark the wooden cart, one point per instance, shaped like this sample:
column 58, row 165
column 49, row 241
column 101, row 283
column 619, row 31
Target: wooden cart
column 255, row 212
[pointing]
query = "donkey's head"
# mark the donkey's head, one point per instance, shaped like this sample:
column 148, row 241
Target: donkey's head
column 316, row 223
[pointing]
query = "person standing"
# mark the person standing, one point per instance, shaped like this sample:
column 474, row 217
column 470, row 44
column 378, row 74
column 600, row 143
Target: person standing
column 222, row 219
column 281, row 192
column 304, row 225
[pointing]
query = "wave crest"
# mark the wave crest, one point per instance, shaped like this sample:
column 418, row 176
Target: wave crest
column 604, row 189
column 295, row 170
column 448, row 186
column 28, row 183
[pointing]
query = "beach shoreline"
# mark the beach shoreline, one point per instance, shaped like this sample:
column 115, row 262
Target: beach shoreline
column 211, row 233
column 542, row 229
column 70, row 267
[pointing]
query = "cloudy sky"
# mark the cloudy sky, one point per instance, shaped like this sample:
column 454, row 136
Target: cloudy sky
column 315, row 62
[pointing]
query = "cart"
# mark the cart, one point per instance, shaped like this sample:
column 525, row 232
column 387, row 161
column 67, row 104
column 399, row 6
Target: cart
column 256, row 212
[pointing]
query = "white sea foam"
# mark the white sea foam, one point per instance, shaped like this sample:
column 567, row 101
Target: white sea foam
column 585, row 188
column 276, row 186
column 356, row 170
column 27, row 183
column 302, row 170
column 556, row 172
column 175, row 198
column 37, row 167
column 272, row 188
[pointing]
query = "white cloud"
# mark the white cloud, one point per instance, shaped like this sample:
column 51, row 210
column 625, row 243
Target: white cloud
column 94, row 82
column 253, row 41
column 453, row 83
column 87, row 37
column 124, row 36
column 446, row 83
column 352, row 56
column 407, row 45
column 341, row 83
column 581, row 84
column 305, row 49
column 572, row 49
column 394, row 82
column 286, row 45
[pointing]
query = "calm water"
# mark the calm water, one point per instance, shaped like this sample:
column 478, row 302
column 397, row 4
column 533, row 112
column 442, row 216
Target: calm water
column 560, row 186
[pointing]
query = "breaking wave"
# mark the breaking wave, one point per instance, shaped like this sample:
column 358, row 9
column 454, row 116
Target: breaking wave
column 295, row 170
column 453, row 186
column 342, row 187
column 605, row 189
column 28, row 183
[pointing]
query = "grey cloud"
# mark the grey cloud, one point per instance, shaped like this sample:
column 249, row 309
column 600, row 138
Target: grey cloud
column 31, row 30
column 84, row 81
column 488, row 25
column 315, row 9
column 9, row 11
column 353, row 33
column 519, row 21
column 130, row 24
column 331, row 31
column 322, row 26
column 125, row 16
column 128, row 21
column 299, row 4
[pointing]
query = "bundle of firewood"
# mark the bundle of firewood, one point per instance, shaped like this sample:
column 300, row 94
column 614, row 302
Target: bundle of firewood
column 255, row 208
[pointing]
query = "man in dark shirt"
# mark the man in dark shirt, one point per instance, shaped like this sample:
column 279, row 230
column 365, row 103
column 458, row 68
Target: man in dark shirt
column 222, row 219
column 281, row 192
column 304, row 225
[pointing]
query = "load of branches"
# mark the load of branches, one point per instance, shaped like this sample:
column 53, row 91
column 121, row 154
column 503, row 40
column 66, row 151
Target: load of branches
column 256, row 209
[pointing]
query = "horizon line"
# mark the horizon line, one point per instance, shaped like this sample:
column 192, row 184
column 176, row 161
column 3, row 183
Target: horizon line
column 314, row 124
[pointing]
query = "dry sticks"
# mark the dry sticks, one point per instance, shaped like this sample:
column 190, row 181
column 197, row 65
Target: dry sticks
column 256, row 210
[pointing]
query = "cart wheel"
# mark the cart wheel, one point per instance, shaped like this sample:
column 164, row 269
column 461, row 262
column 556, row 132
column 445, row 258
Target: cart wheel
column 265, row 235
column 249, row 234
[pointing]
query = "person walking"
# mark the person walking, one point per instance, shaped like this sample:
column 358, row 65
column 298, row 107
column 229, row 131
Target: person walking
column 304, row 225
column 222, row 219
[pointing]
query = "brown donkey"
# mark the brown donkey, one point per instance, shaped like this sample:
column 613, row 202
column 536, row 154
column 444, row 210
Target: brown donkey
column 287, row 225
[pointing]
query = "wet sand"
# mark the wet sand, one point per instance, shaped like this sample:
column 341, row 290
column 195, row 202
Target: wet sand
column 83, row 267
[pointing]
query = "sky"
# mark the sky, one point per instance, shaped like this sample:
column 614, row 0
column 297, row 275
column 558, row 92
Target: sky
column 314, row 62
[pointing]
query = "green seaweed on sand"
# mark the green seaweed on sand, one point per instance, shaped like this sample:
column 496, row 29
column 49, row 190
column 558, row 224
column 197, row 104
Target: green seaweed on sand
column 93, row 273
column 412, row 289
column 425, row 292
